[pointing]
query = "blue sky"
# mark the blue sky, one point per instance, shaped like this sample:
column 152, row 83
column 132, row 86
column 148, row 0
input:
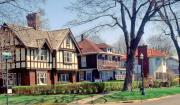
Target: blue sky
column 58, row 16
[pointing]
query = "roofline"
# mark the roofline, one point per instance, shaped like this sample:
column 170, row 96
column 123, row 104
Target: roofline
column 13, row 33
column 89, row 53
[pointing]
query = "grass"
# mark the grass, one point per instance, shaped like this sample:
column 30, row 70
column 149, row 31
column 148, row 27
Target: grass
column 40, row 99
column 136, row 95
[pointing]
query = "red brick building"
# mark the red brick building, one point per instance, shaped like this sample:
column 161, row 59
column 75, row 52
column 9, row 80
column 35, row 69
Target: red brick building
column 39, row 57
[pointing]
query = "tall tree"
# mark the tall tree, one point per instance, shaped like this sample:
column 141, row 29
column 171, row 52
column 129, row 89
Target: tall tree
column 170, row 17
column 160, row 42
column 130, row 16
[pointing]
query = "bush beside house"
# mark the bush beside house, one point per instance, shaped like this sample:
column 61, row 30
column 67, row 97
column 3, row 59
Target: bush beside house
column 84, row 87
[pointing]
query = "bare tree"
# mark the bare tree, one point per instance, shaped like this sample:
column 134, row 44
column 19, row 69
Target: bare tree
column 13, row 11
column 95, row 38
column 160, row 42
column 130, row 16
column 120, row 45
column 171, row 19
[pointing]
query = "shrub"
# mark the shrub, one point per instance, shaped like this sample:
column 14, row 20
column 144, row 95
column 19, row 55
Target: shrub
column 76, row 88
column 174, row 82
column 156, row 84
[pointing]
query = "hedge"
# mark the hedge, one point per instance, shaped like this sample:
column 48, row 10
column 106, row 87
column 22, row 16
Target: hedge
column 76, row 88
column 84, row 87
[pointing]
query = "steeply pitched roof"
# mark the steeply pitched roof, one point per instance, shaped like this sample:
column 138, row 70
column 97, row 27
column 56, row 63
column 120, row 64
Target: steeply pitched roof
column 87, row 46
column 35, row 38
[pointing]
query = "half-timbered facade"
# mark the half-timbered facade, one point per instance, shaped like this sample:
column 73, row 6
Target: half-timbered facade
column 39, row 57
column 98, row 62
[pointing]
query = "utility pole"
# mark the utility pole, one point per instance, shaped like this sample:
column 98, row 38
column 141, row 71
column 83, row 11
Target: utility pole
column 7, row 86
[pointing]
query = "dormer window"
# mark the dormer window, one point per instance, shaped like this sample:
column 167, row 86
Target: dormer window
column 41, row 54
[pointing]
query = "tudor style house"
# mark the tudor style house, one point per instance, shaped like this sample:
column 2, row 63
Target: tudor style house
column 39, row 57
column 154, row 63
column 98, row 62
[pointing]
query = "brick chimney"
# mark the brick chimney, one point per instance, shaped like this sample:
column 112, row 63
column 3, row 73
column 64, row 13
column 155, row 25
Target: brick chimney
column 33, row 20
column 143, row 49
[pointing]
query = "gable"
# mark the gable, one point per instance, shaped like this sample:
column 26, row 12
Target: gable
column 7, row 37
column 68, row 43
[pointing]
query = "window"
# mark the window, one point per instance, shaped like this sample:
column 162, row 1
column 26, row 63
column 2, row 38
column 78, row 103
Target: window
column 81, row 76
column 83, row 61
column 41, row 54
column 158, row 60
column 89, row 76
column 110, row 58
column 41, row 78
column 64, row 77
column 67, row 57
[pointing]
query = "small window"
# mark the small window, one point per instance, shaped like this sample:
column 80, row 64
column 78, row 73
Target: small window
column 64, row 77
column 41, row 78
column 83, row 61
column 41, row 54
column 110, row 58
column 67, row 57
column 158, row 60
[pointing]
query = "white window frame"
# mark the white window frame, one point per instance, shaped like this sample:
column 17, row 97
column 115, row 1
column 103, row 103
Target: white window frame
column 67, row 57
column 44, row 76
column 83, row 61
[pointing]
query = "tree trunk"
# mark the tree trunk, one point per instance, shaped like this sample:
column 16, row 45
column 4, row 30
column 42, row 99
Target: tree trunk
column 129, row 71
column 179, row 64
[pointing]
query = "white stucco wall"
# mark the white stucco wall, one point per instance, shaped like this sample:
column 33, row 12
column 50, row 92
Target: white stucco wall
column 157, row 64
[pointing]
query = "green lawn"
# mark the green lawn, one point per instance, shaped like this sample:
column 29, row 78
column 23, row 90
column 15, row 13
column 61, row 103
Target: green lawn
column 136, row 95
column 40, row 99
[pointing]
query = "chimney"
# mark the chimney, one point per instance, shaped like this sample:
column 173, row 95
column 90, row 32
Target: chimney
column 33, row 20
column 143, row 49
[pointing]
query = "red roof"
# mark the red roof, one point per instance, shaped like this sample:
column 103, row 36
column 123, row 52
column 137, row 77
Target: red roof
column 155, row 53
column 151, row 53
column 87, row 46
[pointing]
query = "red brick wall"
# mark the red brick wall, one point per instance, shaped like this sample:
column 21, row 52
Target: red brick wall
column 143, row 49
column 49, row 80
column 32, row 75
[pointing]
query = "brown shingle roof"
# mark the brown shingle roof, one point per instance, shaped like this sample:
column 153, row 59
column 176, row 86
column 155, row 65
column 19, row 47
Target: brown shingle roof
column 35, row 38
